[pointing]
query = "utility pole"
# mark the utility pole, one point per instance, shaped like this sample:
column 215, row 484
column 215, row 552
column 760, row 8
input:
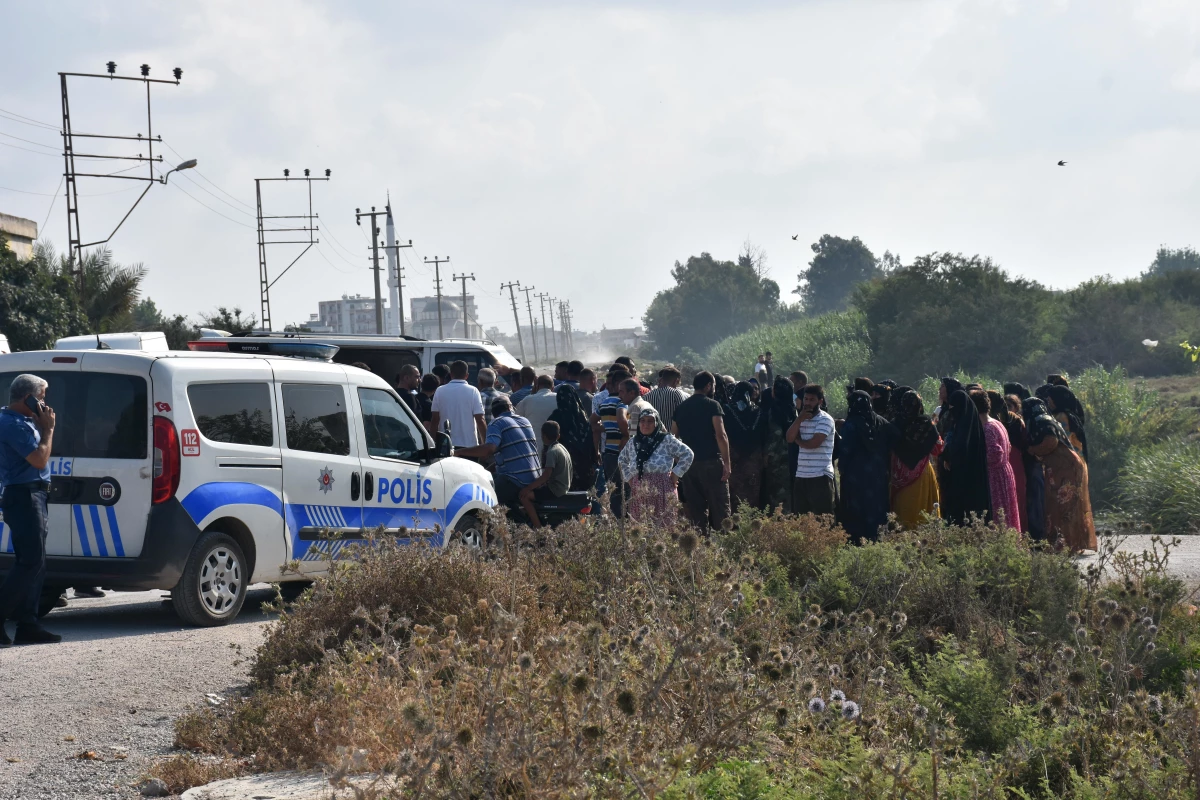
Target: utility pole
column 564, row 315
column 75, row 242
column 437, row 267
column 516, row 316
column 398, row 278
column 373, row 214
column 532, row 327
column 307, row 225
column 466, row 324
column 545, row 337
column 553, row 333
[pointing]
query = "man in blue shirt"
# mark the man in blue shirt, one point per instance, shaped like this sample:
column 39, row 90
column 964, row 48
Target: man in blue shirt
column 26, row 438
column 510, row 439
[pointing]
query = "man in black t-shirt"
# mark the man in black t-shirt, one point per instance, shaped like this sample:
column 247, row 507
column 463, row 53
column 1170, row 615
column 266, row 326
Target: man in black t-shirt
column 700, row 422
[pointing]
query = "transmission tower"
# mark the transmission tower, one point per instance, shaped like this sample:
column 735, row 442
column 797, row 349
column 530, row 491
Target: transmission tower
column 307, row 226
column 75, row 242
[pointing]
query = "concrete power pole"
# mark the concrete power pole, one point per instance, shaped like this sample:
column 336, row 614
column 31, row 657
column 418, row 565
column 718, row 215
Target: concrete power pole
column 466, row 322
column 516, row 315
column 532, row 327
column 396, row 278
column 545, row 336
column 437, row 282
column 374, row 215
column 553, row 333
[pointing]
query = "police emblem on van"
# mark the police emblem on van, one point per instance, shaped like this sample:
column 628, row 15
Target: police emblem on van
column 326, row 480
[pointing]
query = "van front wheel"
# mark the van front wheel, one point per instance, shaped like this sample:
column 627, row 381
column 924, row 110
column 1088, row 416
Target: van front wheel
column 212, row 589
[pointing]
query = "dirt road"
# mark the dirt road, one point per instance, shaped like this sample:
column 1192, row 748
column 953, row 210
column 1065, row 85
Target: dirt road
column 125, row 670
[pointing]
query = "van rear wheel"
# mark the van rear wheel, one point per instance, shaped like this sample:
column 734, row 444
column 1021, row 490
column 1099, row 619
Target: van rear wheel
column 212, row 589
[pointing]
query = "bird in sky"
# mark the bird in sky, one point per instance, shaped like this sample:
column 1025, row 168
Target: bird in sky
column 794, row 238
column 1062, row 163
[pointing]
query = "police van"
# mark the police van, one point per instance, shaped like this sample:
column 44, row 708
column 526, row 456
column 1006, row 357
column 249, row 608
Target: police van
column 202, row 473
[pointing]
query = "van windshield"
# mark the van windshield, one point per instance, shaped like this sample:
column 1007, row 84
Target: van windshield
column 99, row 415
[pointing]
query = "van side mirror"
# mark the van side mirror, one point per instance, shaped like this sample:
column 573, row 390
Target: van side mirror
column 445, row 447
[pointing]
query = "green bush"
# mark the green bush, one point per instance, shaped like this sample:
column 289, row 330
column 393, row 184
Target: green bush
column 1122, row 416
column 1161, row 484
column 831, row 348
column 965, row 686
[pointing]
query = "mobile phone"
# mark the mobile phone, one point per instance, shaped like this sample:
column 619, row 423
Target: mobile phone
column 34, row 405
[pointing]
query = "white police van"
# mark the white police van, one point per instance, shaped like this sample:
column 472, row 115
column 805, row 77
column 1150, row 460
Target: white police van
column 202, row 473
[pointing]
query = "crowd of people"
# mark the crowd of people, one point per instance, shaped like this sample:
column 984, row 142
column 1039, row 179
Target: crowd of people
column 769, row 442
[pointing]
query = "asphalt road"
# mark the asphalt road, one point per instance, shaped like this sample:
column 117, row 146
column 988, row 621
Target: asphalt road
column 126, row 668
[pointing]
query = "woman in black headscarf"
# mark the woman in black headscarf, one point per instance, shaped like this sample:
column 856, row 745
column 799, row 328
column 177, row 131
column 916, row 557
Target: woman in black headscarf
column 1068, row 513
column 915, row 493
column 862, row 453
column 575, row 434
column 962, row 467
column 895, row 406
column 1067, row 409
column 743, row 424
column 881, row 399
column 947, row 387
column 779, row 458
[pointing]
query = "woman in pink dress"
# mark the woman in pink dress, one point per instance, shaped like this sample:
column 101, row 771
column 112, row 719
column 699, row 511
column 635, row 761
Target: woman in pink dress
column 1001, row 482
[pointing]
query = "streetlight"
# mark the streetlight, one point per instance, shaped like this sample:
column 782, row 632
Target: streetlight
column 191, row 162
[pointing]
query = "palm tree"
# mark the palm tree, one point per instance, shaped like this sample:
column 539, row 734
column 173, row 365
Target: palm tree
column 107, row 292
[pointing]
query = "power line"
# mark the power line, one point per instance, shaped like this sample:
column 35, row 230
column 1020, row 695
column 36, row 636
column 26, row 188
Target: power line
column 249, row 208
column 27, row 120
column 210, row 208
column 55, row 194
column 31, row 141
column 52, row 202
column 226, row 202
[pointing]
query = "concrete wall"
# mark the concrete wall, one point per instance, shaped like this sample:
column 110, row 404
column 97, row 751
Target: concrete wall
column 20, row 233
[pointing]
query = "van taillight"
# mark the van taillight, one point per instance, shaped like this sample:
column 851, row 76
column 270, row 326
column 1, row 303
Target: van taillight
column 166, row 461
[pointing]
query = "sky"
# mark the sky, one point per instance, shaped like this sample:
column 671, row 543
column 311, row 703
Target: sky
column 583, row 148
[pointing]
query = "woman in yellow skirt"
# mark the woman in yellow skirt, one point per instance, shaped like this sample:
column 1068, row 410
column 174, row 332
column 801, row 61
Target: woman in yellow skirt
column 915, row 497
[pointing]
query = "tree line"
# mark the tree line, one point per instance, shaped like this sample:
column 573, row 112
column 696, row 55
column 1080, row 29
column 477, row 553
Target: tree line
column 47, row 297
column 942, row 312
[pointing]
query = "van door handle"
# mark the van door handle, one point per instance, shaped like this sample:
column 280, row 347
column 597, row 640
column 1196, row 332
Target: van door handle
column 369, row 489
column 354, row 485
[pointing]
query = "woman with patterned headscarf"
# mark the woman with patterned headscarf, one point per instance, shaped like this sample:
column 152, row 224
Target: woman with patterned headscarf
column 915, row 493
column 1068, row 519
column 652, row 462
column 862, row 452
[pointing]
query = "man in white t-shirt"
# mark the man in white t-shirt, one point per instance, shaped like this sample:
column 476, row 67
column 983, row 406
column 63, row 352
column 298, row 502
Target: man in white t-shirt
column 538, row 406
column 459, row 403
column 814, row 433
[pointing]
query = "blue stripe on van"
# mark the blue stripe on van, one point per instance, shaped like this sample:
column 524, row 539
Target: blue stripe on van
column 81, row 529
column 101, row 545
column 116, row 531
column 208, row 497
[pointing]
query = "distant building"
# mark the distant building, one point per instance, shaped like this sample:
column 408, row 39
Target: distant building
column 624, row 341
column 20, row 233
column 424, row 322
column 348, row 315
column 316, row 325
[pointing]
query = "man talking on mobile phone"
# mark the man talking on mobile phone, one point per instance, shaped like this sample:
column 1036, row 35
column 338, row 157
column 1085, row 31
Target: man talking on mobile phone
column 26, row 438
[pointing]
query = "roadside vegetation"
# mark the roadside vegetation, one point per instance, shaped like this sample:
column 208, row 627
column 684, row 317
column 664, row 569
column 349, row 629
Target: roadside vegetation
column 772, row 660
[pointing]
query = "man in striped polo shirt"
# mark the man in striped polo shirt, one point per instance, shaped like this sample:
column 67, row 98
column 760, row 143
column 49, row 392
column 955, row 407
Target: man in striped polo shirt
column 510, row 439
column 814, row 433
column 667, row 397
column 610, row 430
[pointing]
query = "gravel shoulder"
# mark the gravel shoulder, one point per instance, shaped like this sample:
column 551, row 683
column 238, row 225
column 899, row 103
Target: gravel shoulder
column 125, row 670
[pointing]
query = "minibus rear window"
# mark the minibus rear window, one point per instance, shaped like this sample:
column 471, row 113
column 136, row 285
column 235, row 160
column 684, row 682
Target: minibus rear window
column 98, row 414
